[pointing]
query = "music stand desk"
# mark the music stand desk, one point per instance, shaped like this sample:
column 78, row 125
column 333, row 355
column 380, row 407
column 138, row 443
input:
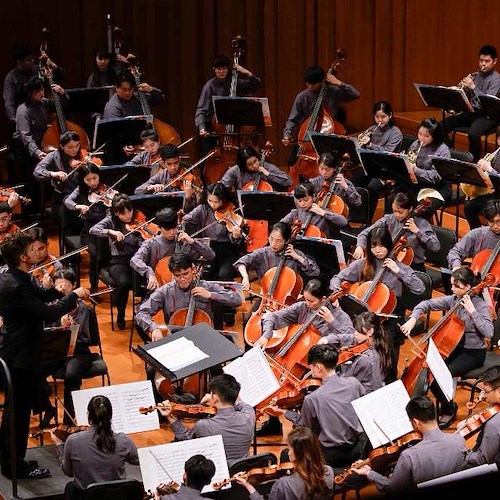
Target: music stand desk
column 55, row 343
column 120, row 131
column 324, row 253
column 445, row 98
column 338, row 145
column 210, row 341
column 152, row 203
column 88, row 99
column 491, row 106
column 136, row 176
column 265, row 205
column 238, row 111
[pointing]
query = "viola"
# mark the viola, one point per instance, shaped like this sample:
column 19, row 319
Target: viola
column 382, row 458
column 143, row 226
column 5, row 193
column 260, row 474
column 181, row 411
column 319, row 121
column 446, row 334
column 475, row 423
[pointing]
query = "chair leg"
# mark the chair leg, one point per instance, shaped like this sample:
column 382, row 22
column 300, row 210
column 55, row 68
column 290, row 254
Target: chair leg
column 111, row 304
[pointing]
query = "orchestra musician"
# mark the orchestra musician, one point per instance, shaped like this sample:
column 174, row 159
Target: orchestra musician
column 248, row 168
column 337, row 93
column 379, row 241
column 420, row 234
column 486, row 81
column 41, row 250
column 170, row 241
column 487, row 444
column 24, row 307
column 114, row 227
column 95, row 455
column 372, row 366
column 104, row 72
column 436, row 455
column 177, row 294
column 471, row 351
column 235, row 419
column 150, row 156
column 312, row 478
column 6, row 224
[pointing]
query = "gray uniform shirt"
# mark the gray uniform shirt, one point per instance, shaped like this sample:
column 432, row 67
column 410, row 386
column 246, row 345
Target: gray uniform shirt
column 184, row 493
column 488, row 444
column 424, row 170
column 235, row 424
column 80, row 458
column 118, row 108
column 425, row 238
column 486, row 84
column 170, row 298
column 328, row 411
column 351, row 195
column 55, row 162
column 478, row 325
column 326, row 223
column 340, row 332
column 481, row 238
column 235, row 177
column 385, row 139
column 119, row 249
column 406, row 275
column 366, row 368
column 31, row 124
column 154, row 249
column 438, row 454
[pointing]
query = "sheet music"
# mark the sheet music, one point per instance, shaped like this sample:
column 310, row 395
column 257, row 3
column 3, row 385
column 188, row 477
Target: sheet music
column 126, row 399
column 254, row 374
column 173, row 456
column 440, row 371
column 178, row 354
column 383, row 415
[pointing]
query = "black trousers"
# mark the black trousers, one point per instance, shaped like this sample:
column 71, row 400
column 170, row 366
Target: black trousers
column 121, row 273
column 77, row 366
column 474, row 207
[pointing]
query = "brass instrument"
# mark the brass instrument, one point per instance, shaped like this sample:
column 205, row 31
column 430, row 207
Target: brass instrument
column 413, row 154
column 461, row 85
column 367, row 133
column 470, row 189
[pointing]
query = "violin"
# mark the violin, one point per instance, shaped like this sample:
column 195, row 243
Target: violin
column 13, row 228
column 260, row 475
column 63, row 432
column 227, row 215
column 181, row 411
column 349, row 352
column 140, row 224
column 5, row 193
column 83, row 158
column 169, row 488
column 473, row 424
column 292, row 399
column 102, row 194
column 382, row 458
column 51, row 260
column 45, row 268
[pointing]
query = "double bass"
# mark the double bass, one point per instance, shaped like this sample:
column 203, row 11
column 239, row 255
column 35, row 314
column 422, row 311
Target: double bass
column 319, row 121
column 51, row 137
column 166, row 133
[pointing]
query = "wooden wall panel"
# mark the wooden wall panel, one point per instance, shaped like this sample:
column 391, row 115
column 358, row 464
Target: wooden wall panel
column 390, row 45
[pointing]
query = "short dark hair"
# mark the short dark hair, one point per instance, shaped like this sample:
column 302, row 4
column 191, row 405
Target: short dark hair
column 491, row 209
column 38, row 234
column 168, row 151
column 180, row 261
column 466, row 275
column 243, row 155
column 316, row 288
column 488, row 50
column 199, row 472
column 149, row 133
column 14, row 246
column 314, row 74
column 403, row 200
column 422, row 408
column 21, row 51
column 326, row 354
column 218, row 189
column 68, row 136
column 123, row 76
column 120, row 203
column 166, row 218
column 303, row 189
column 284, row 228
column 66, row 273
column 328, row 160
column 32, row 84
column 491, row 376
column 221, row 61
column 5, row 207
column 226, row 387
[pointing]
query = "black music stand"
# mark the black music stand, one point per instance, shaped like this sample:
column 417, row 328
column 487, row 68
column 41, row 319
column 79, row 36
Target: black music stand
column 88, row 99
column 265, row 205
column 136, row 176
column 337, row 145
column 55, row 344
column 457, row 172
column 324, row 252
column 491, row 107
column 352, row 305
column 445, row 98
column 152, row 203
column 238, row 111
column 208, row 340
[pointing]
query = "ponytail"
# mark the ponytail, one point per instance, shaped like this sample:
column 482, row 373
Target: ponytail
column 100, row 413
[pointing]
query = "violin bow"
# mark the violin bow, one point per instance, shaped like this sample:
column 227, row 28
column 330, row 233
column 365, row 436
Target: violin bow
column 65, row 256
column 237, row 209
column 103, row 195
column 161, row 465
column 140, row 226
column 96, row 152
column 377, row 425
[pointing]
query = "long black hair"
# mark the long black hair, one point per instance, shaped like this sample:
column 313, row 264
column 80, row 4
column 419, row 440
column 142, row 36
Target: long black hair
column 377, row 236
column 100, row 414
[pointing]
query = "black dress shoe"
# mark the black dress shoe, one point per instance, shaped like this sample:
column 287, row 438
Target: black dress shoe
column 446, row 420
column 272, row 427
column 121, row 323
column 48, row 415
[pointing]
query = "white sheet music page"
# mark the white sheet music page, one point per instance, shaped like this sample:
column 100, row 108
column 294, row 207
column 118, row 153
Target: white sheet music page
column 173, row 456
column 440, row 371
column 382, row 413
column 254, row 374
column 178, row 354
column 126, row 399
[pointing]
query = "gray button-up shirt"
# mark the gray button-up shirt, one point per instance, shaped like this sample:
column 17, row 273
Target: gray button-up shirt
column 486, row 84
column 118, row 108
column 351, row 195
column 56, row 161
column 385, row 139
column 366, row 368
column 424, row 170
column 127, row 247
column 327, row 223
column 481, row 238
column 489, row 444
column 236, row 178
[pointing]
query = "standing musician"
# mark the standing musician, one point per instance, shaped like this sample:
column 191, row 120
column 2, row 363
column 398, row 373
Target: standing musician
column 328, row 411
column 380, row 243
column 248, row 169
column 6, row 224
column 325, row 220
column 486, row 81
column 487, row 444
column 478, row 326
column 104, row 72
column 170, row 241
column 235, row 420
column 150, row 156
column 43, row 277
column 84, row 200
column 372, row 366
column 420, row 234
column 343, row 187
column 220, row 85
column 177, row 294
column 125, row 102
column 173, row 167
column 438, row 454
column 114, row 227
column 337, row 93
column 23, row 307
column 312, row 478
column 474, row 206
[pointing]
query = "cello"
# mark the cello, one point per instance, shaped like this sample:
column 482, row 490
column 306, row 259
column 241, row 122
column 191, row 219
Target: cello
column 319, row 121
column 166, row 133
column 229, row 140
column 326, row 199
column 446, row 334
column 51, row 137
